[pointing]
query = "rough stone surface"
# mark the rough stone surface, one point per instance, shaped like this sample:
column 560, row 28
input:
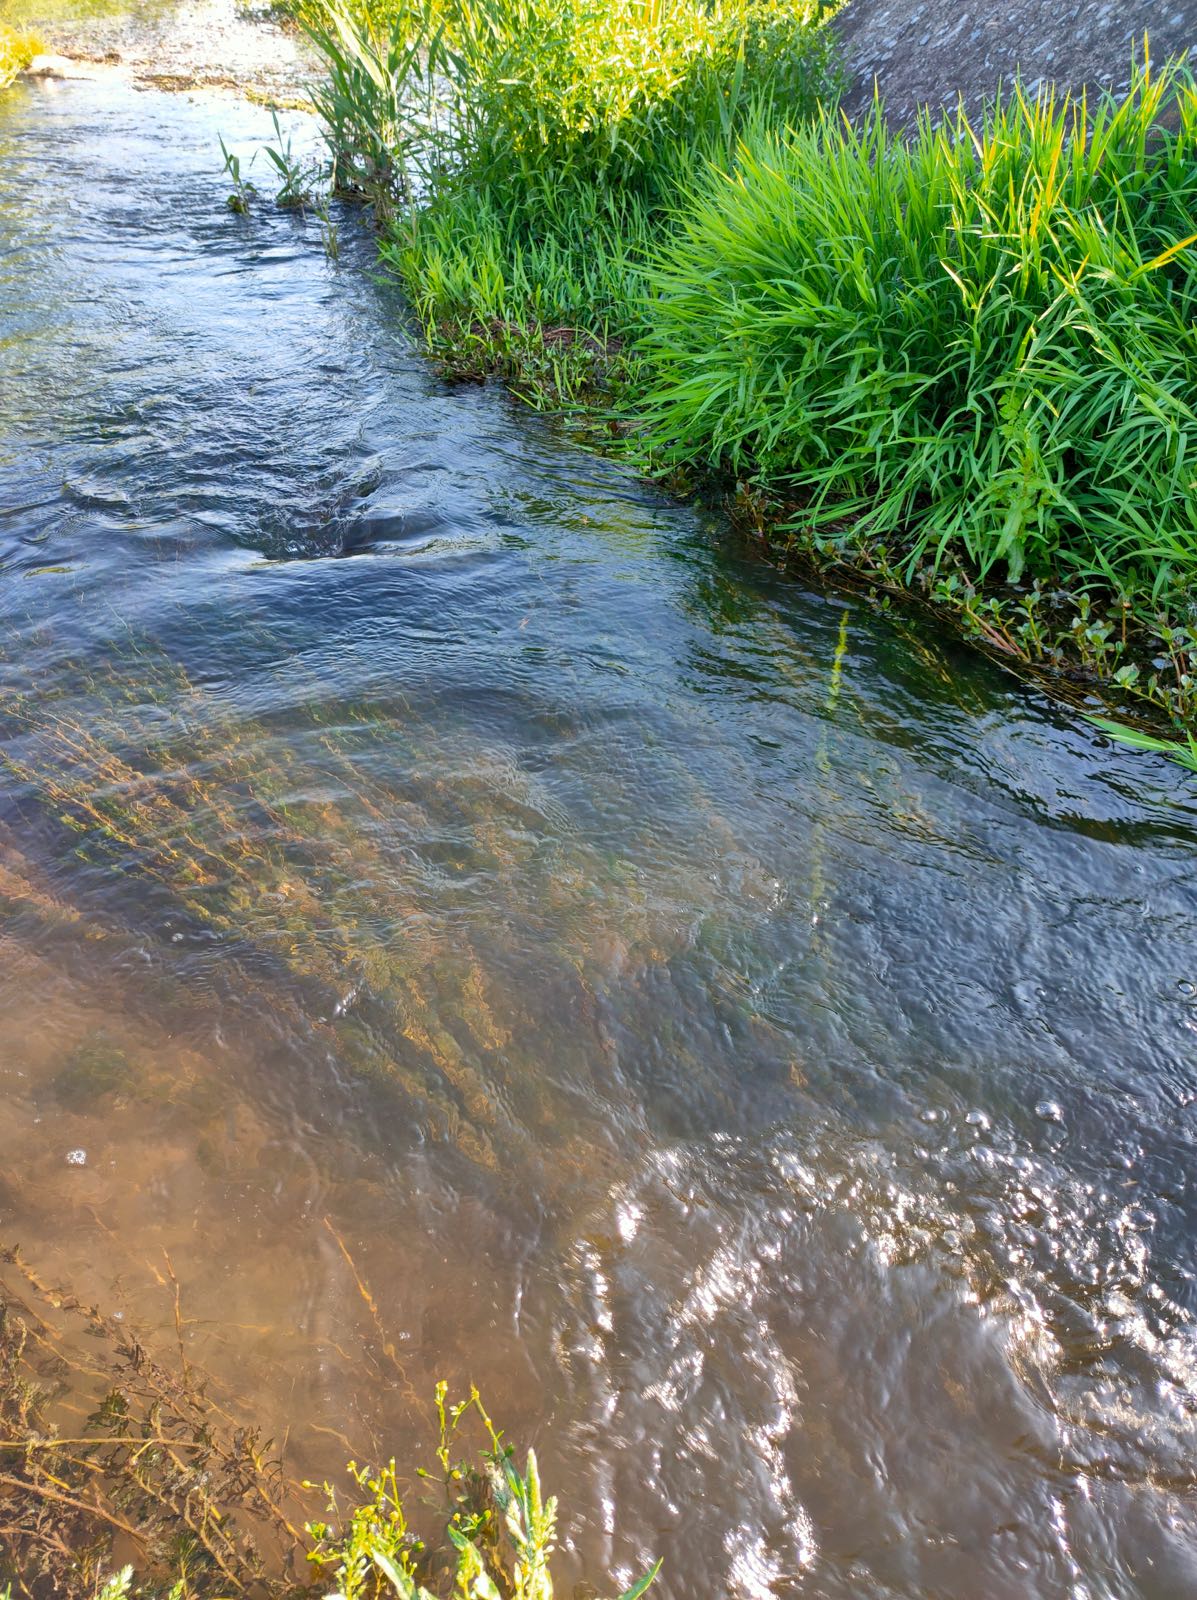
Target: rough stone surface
column 930, row 52
column 199, row 43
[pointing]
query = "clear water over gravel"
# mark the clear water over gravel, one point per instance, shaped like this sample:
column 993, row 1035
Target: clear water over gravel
column 754, row 1039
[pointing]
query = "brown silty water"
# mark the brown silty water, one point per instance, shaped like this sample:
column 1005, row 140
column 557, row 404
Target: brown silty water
column 463, row 920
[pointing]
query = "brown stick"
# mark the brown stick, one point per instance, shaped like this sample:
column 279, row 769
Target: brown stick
column 54, row 1444
column 178, row 1318
column 77, row 1505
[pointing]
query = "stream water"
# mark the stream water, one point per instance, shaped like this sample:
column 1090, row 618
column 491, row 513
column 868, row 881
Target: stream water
column 752, row 1037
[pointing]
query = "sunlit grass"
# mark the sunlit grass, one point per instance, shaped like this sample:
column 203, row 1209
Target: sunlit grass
column 17, row 50
column 962, row 362
column 535, row 146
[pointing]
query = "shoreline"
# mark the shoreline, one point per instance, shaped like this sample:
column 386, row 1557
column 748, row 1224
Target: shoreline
column 195, row 45
column 1093, row 657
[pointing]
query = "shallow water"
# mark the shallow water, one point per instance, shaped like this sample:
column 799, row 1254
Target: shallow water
column 753, row 1038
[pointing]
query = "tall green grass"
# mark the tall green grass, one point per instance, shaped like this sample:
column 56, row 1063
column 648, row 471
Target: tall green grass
column 964, row 360
column 563, row 94
column 978, row 343
column 546, row 141
column 551, row 305
column 379, row 99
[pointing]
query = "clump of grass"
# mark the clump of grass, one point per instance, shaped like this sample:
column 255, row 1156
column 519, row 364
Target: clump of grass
column 17, row 49
column 379, row 98
column 552, row 310
column 566, row 93
column 976, row 344
column 540, row 143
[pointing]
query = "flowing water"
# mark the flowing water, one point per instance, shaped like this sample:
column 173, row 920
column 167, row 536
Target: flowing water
column 464, row 919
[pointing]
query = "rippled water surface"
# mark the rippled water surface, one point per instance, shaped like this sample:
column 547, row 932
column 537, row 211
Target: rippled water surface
column 754, row 1039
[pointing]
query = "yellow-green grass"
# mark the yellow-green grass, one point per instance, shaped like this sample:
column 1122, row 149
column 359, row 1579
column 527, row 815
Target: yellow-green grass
column 17, row 49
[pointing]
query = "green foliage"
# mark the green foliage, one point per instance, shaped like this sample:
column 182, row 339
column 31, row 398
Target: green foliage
column 295, row 178
column 242, row 191
column 118, row 1586
column 963, row 362
column 543, row 139
column 978, row 344
column 500, row 1529
column 567, row 93
column 550, row 309
column 17, row 50
column 549, row 94
column 1183, row 750
column 378, row 100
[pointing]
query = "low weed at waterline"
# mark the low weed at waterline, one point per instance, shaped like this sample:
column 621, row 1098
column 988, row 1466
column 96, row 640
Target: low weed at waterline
column 150, row 1470
column 295, row 177
column 499, row 1534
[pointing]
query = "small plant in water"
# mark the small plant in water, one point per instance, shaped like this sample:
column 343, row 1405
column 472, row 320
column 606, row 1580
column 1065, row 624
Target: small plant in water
column 294, row 190
column 500, row 1529
column 243, row 189
column 330, row 233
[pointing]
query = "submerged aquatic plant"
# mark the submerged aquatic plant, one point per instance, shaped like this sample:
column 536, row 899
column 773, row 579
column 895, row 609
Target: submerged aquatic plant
column 103, row 1448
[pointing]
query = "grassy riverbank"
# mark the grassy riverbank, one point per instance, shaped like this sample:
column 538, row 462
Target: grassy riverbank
column 964, row 361
column 959, row 365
